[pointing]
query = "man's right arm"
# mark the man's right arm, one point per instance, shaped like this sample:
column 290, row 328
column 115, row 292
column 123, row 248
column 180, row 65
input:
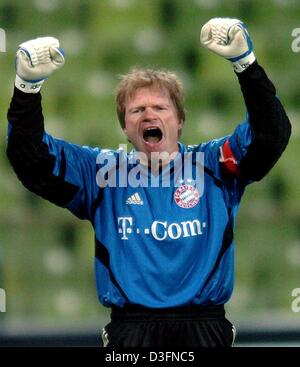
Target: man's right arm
column 58, row 171
column 29, row 154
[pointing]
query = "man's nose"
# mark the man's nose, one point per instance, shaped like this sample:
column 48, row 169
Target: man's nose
column 149, row 114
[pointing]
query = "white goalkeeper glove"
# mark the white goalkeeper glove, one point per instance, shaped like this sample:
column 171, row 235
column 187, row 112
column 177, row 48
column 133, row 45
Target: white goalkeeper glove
column 229, row 38
column 35, row 61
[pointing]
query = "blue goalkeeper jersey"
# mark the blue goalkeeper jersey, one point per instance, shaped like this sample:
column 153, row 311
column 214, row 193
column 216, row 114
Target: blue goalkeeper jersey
column 162, row 239
column 162, row 246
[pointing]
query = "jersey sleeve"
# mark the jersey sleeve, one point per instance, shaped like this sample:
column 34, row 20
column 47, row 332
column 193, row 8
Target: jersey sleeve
column 269, row 124
column 256, row 144
column 58, row 171
column 222, row 156
column 76, row 165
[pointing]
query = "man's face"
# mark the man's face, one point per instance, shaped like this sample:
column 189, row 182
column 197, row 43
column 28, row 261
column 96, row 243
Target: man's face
column 151, row 121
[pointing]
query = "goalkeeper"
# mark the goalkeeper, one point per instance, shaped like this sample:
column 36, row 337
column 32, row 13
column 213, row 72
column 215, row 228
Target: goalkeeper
column 164, row 255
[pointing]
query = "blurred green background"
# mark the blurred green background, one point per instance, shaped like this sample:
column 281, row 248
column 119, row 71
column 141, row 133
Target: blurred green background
column 46, row 255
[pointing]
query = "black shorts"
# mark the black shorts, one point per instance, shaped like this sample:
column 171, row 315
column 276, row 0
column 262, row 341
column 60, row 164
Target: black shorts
column 193, row 326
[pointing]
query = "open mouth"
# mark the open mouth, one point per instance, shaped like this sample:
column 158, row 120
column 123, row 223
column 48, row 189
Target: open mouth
column 152, row 135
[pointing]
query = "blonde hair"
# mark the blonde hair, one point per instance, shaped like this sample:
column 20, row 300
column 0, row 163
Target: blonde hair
column 139, row 78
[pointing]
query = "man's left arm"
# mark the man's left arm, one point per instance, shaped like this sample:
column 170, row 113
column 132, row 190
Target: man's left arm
column 249, row 153
column 271, row 128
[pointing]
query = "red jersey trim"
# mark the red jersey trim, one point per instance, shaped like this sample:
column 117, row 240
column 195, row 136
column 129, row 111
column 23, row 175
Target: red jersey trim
column 228, row 160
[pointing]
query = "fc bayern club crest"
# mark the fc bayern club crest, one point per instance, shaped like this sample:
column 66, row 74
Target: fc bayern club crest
column 186, row 196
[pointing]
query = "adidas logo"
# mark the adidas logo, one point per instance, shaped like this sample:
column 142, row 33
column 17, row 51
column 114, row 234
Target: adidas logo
column 134, row 199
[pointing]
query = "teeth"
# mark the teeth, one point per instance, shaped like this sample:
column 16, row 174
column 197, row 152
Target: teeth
column 151, row 128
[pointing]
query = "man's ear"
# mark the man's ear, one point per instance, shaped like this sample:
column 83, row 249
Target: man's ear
column 180, row 124
column 125, row 132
